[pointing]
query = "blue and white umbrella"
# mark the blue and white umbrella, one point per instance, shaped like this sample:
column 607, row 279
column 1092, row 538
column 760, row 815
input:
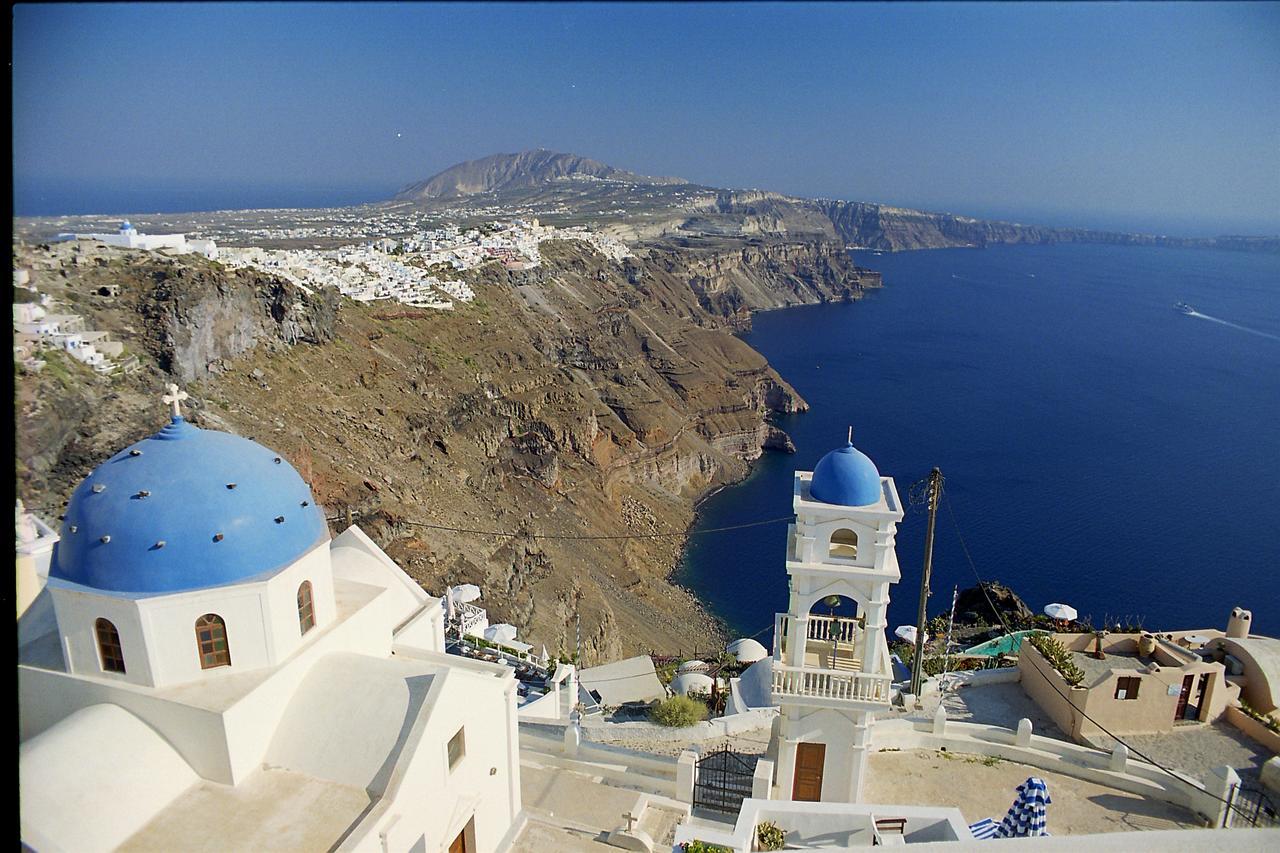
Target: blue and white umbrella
column 1027, row 815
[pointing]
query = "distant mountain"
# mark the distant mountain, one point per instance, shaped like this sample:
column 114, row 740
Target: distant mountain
column 566, row 188
column 506, row 172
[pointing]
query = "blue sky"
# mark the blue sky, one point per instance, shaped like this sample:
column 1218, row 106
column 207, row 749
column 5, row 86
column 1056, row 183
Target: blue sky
column 1140, row 116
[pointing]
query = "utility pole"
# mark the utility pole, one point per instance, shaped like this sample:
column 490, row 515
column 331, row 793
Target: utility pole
column 917, row 664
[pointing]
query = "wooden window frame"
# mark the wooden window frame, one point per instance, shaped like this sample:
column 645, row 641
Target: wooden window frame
column 306, row 607
column 1127, row 685
column 212, row 657
column 110, row 650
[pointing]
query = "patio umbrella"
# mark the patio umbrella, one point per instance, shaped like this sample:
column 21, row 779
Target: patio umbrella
column 1060, row 611
column 1027, row 815
column 908, row 633
column 500, row 633
column 463, row 593
column 544, row 658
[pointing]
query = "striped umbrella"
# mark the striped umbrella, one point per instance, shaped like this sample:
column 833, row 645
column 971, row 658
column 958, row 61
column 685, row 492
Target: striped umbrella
column 1027, row 815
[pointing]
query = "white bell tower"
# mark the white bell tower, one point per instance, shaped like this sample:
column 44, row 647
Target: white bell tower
column 832, row 673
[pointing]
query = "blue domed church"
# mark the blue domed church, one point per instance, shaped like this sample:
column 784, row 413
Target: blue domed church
column 201, row 641
column 832, row 673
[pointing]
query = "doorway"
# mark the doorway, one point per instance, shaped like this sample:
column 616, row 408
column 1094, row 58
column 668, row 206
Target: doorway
column 1184, row 698
column 810, row 758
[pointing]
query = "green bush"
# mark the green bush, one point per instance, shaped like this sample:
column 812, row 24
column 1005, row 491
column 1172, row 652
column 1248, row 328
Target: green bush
column 1058, row 657
column 703, row 847
column 678, row 711
column 1267, row 720
column 769, row 836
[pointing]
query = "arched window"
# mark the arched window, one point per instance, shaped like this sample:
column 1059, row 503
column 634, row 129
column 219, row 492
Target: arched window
column 211, row 634
column 109, row 646
column 306, row 612
column 844, row 543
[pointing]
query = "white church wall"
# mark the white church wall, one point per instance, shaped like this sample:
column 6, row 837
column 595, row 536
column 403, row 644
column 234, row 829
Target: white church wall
column 834, row 730
column 78, row 609
column 284, row 630
column 170, row 622
column 251, row 721
column 46, row 697
column 482, row 789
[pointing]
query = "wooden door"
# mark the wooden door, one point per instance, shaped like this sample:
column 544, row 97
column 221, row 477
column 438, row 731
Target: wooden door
column 1184, row 698
column 810, row 758
column 459, row 844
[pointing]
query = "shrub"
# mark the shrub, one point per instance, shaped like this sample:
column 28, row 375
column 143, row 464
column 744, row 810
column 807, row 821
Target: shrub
column 703, row 847
column 678, row 711
column 769, row 836
column 1267, row 720
column 1058, row 657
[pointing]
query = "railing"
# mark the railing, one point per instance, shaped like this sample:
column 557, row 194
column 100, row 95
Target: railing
column 830, row 684
column 839, row 629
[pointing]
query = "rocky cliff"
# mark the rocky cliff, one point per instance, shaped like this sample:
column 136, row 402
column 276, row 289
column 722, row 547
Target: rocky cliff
column 514, row 443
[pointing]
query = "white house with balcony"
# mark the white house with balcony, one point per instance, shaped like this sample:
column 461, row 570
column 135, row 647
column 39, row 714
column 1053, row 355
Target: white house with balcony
column 203, row 667
column 831, row 674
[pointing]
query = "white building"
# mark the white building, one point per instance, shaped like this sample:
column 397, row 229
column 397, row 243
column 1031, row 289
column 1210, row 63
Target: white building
column 129, row 238
column 830, row 674
column 205, row 668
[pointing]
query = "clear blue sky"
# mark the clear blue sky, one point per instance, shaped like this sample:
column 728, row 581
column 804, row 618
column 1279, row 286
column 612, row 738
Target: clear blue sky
column 1153, row 116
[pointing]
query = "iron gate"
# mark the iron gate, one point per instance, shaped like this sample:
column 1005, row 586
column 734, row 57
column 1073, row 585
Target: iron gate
column 1250, row 806
column 723, row 780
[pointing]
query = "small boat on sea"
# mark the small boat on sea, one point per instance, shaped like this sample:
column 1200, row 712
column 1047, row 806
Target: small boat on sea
column 1184, row 308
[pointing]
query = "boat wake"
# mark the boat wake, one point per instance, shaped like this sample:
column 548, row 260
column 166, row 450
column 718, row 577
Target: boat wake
column 1220, row 321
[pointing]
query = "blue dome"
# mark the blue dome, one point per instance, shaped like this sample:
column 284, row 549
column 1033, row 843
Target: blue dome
column 845, row 476
column 185, row 509
column 125, row 226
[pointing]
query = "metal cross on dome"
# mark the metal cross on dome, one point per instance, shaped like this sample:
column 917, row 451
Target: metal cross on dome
column 175, row 397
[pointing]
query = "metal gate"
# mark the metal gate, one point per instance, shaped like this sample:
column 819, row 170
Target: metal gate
column 723, row 780
column 1248, row 806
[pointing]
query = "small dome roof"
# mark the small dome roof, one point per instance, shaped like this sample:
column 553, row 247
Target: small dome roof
column 846, row 477
column 126, row 226
column 691, row 682
column 692, row 666
column 187, row 508
column 747, row 650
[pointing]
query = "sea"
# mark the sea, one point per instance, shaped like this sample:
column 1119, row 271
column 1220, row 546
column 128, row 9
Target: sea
column 1098, row 447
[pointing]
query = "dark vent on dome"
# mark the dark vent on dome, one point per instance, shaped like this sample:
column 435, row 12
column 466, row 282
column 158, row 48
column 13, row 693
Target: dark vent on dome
column 217, row 537
column 279, row 519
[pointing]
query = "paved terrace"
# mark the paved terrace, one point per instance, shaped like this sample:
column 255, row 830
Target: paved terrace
column 985, row 787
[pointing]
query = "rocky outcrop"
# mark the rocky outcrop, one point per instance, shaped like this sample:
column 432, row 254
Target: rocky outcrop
column 990, row 603
column 201, row 318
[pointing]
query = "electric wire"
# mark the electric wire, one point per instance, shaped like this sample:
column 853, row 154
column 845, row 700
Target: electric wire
column 580, row 537
column 1008, row 630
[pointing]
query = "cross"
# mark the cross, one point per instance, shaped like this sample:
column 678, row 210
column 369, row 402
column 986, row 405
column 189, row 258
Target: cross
column 630, row 819
column 851, row 435
column 175, row 397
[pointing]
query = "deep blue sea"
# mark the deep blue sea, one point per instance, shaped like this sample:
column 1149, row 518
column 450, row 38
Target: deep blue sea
column 1100, row 449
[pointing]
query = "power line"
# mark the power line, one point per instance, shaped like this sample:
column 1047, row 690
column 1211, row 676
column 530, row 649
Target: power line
column 565, row 536
column 1036, row 666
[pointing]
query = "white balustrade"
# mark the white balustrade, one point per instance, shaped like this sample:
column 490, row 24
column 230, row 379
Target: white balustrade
column 831, row 684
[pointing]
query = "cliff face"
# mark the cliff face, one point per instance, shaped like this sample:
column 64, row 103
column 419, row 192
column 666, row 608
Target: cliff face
column 183, row 319
column 579, row 399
